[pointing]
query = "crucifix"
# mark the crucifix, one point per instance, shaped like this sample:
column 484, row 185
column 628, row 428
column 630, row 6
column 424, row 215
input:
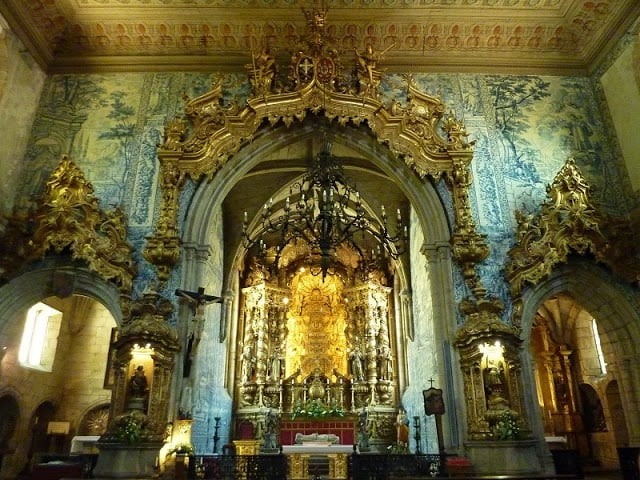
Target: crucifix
column 197, row 301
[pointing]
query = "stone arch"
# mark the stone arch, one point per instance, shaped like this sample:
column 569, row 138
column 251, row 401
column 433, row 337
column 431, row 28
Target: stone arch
column 604, row 299
column 57, row 277
column 418, row 134
column 41, row 416
column 420, row 193
column 422, row 196
column 411, row 141
column 9, row 418
column 598, row 292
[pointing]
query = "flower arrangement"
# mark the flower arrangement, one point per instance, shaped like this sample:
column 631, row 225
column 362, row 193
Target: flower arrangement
column 130, row 428
column 507, row 427
column 316, row 409
column 181, row 449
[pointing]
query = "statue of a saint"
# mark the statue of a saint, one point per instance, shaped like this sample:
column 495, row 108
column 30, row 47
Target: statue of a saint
column 263, row 70
column 402, row 429
column 247, row 364
column 363, row 430
column 271, row 424
column 138, row 383
column 368, row 73
column 276, row 365
column 357, row 369
column 384, row 363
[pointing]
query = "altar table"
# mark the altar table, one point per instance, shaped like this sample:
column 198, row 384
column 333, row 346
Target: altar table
column 301, row 457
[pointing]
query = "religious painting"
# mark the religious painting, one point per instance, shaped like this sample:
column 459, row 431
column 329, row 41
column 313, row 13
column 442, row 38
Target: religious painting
column 433, row 401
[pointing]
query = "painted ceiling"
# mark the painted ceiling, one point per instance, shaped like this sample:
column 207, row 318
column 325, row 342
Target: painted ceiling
column 507, row 36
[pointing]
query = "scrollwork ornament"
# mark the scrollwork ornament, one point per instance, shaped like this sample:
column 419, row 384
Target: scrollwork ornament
column 567, row 222
column 68, row 217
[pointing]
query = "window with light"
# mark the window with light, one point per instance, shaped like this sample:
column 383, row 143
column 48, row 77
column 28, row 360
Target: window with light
column 40, row 337
column 598, row 345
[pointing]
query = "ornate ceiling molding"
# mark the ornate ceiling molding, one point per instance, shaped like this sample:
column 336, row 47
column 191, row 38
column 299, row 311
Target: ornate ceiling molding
column 534, row 36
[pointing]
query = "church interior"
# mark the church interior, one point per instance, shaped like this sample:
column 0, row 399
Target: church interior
column 324, row 231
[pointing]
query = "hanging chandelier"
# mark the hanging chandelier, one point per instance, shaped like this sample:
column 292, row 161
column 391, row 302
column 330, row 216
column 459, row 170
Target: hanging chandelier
column 324, row 211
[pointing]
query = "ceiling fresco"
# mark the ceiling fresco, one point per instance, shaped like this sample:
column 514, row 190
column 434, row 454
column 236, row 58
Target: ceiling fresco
column 507, row 36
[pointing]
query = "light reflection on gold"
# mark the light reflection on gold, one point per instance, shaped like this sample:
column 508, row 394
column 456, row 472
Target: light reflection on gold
column 316, row 324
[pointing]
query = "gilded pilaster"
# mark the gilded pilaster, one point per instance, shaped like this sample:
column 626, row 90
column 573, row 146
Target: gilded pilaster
column 163, row 247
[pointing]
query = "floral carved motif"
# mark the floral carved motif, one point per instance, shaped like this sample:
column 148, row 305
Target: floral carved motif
column 68, row 218
column 568, row 222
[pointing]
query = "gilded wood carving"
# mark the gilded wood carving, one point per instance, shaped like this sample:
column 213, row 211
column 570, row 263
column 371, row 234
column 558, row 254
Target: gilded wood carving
column 68, row 218
column 430, row 142
column 568, row 222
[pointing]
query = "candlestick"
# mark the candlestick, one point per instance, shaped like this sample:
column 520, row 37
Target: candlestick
column 215, row 435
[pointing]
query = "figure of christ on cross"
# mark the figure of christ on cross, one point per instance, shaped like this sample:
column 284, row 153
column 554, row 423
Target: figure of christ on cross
column 197, row 301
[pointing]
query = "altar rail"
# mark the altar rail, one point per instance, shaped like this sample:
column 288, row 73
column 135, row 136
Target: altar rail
column 383, row 467
column 272, row 467
column 240, row 467
column 361, row 467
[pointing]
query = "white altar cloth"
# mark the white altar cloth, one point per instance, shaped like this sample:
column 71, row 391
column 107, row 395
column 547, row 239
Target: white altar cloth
column 316, row 449
column 84, row 444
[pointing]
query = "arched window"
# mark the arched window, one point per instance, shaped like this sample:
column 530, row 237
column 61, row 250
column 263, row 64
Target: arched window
column 596, row 339
column 40, row 337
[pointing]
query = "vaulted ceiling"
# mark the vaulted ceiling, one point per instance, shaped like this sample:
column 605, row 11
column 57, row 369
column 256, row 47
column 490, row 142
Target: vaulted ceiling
column 509, row 36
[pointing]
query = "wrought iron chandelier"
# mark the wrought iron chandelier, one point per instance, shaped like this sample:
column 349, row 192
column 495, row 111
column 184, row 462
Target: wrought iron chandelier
column 324, row 211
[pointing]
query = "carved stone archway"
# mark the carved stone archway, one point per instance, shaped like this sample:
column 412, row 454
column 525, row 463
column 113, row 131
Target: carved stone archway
column 429, row 141
column 214, row 132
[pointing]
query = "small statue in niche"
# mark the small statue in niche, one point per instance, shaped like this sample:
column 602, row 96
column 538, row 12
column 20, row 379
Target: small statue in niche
column 494, row 386
column 363, row 430
column 357, row 369
column 385, row 369
column 402, row 429
column 247, row 364
column 271, row 423
column 276, row 365
column 138, row 383
column 562, row 394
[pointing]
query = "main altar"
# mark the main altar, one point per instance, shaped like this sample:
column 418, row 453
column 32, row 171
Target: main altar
column 317, row 354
